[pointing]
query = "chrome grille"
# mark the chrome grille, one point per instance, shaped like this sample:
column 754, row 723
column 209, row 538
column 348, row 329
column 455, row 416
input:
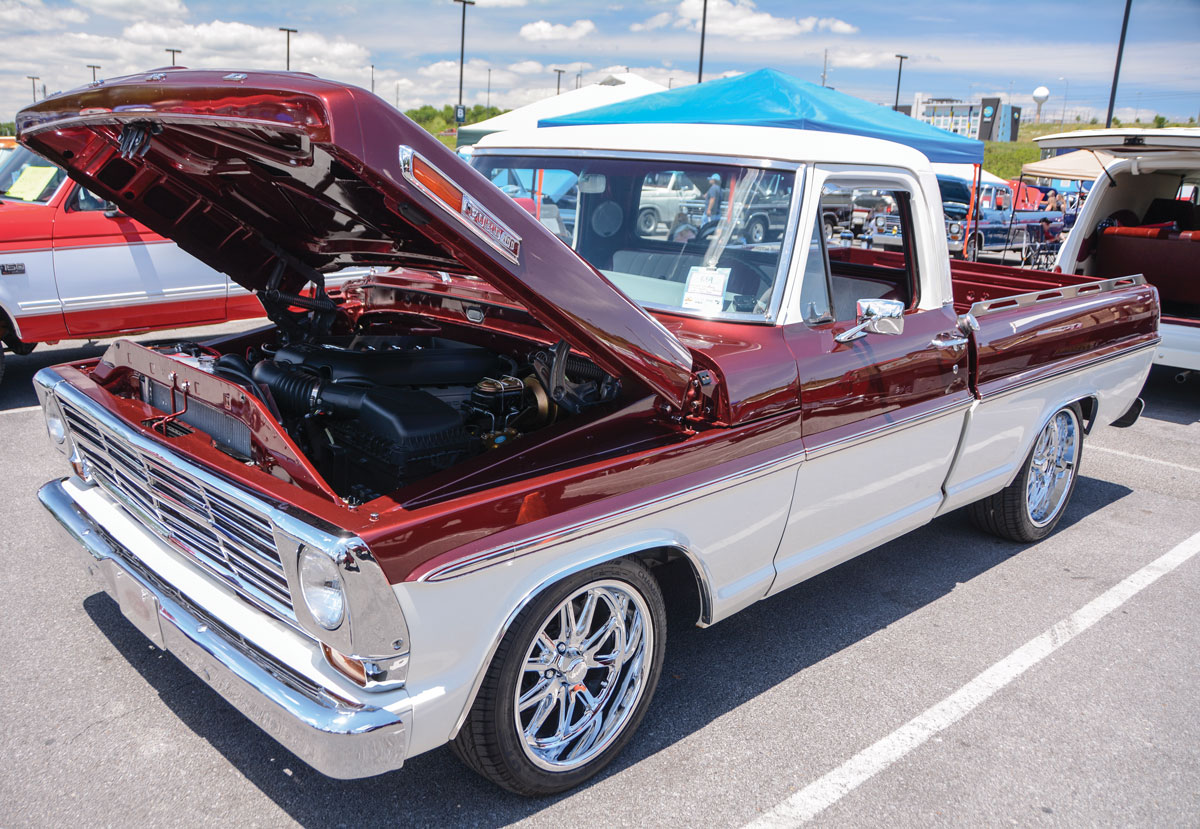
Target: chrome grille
column 229, row 539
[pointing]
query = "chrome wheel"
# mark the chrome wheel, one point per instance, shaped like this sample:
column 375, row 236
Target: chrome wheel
column 583, row 675
column 1052, row 468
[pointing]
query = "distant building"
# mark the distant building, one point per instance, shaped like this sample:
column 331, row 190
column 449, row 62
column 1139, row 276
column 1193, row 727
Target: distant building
column 986, row 119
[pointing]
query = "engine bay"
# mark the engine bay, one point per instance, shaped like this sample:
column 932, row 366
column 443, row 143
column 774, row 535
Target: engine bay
column 375, row 412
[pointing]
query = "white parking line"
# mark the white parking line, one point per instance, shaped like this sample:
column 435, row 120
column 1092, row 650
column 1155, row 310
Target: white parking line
column 824, row 792
column 1142, row 458
column 21, row 409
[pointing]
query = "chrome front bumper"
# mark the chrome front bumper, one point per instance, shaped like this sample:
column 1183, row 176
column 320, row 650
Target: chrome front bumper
column 337, row 736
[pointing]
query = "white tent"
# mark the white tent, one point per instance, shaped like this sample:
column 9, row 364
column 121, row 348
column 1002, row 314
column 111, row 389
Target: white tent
column 1081, row 165
column 967, row 173
column 614, row 88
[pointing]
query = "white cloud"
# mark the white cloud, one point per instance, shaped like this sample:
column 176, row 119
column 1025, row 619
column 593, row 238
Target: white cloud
column 545, row 30
column 526, row 67
column 742, row 20
column 33, row 16
column 501, row 4
column 838, row 27
column 657, row 22
column 137, row 9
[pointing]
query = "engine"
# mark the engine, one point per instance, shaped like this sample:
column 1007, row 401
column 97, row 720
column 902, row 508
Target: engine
column 375, row 413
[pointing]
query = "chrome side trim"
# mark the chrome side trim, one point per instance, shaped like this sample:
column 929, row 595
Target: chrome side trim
column 336, row 736
column 581, row 529
column 987, row 306
column 703, row 583
column 1018, row 385
column 822, row 449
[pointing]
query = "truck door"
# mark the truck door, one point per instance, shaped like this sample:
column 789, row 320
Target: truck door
column 883, row 412
column 115, row 274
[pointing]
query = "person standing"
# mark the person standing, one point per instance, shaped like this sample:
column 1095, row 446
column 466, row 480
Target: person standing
column 712, row 198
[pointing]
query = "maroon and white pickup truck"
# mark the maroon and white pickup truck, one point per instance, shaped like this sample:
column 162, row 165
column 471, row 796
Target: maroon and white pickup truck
column 436, row 510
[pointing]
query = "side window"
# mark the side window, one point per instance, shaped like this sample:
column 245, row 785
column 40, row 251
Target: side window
column 86, row 200
column 869, row 248
column 814, row 289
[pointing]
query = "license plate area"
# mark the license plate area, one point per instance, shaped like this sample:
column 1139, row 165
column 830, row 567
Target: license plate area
column 138, row 605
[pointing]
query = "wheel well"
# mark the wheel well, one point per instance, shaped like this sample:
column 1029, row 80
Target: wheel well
column 683, row 584
column 6, row 326
column 1088, row 406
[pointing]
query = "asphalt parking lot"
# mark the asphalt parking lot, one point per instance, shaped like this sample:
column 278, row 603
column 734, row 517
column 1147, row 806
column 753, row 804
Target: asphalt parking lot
column 804, row 702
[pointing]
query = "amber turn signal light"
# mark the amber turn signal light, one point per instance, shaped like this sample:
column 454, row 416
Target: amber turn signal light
column 349, row 666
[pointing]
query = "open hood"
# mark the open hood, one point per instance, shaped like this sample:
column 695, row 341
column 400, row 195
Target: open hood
column 277, row 178
column 1124, row 141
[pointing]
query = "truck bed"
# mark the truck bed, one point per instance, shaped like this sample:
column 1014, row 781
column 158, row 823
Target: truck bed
column 1035, row 324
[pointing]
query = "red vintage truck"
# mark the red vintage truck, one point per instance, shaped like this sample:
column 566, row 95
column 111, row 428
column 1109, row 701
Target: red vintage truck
column 436, row 509
column 73, row 266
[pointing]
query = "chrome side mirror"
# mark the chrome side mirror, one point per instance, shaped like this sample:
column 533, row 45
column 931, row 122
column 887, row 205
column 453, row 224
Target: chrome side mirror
column 111, row 211
column 875, row 316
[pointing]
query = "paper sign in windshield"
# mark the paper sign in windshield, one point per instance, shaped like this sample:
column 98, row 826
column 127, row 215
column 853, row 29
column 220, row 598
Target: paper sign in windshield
column 705, row 291
column 30, row 184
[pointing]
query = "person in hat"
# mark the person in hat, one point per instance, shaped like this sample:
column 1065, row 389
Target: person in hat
column 712, row 198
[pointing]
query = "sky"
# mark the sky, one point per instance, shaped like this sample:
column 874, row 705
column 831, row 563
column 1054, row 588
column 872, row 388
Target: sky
column 959, row 50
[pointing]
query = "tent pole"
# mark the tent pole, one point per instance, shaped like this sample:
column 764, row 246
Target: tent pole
column 1012, row 214
column 972, row 215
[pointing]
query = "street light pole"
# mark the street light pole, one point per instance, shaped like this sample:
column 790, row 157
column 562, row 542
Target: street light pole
column 1112, row 96
column 287, row 34
column 1063, row 120
column 703, row 27
column 372, row 78
column 489, row 92
column 899, row 71
column 462, row 45
column 33, row 79
column 94, row 67
column 558, row 87
column 173, row 52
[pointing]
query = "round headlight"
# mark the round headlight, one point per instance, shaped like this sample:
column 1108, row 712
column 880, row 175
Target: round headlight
column 321, row 587
column 880, row 221
column 56, row 427
column 955, row 228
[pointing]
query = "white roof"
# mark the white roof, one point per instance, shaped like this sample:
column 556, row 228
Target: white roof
column 1125, row 140
column 614, row 88
column 774, row 143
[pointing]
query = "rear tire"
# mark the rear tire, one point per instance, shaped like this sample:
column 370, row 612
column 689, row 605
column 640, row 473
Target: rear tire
column 1031, row 506
column 570, row 681
column 757, row 231
column 1, row 365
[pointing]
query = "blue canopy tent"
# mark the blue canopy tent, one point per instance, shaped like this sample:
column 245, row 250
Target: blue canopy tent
column 768, row 98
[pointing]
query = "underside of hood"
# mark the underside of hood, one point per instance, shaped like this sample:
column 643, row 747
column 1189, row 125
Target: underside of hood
column 278, row 178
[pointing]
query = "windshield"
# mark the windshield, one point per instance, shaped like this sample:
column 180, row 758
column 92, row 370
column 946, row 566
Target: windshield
column 702, row 239
column 25, row 176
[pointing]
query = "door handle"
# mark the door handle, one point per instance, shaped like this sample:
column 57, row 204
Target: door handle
column 954, row 340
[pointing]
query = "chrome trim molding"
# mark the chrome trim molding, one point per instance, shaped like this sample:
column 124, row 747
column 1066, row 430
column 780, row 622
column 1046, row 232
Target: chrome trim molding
column 1019, row 385
column 590, row 526
column 987, row 306
column 336, row 736
column 896, row 425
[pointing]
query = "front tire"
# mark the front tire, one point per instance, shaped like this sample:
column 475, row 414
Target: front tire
column 647, row 221
column 1031, row 506
column 570, row 682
